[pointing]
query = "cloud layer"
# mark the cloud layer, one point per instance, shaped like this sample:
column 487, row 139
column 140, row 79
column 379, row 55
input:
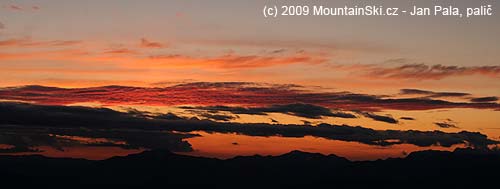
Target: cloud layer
column 155, row 132
column 235, row 93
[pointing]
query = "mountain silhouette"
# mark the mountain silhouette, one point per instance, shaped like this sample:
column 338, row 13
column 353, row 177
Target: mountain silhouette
column 296, row 169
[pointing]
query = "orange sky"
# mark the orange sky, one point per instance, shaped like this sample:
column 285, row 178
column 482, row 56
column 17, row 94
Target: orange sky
column 161, row 44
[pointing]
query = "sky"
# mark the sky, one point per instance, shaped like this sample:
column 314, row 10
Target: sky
column 190, row 49
column 93, row 43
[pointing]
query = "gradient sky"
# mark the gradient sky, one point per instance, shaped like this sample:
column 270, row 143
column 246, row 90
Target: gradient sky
column 89, row 43
column 362, row 63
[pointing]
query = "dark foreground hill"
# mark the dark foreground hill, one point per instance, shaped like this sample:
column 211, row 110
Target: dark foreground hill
column 463, row 168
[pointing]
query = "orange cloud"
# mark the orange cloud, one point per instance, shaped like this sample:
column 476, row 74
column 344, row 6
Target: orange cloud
column 234, row 61
column 121, row 51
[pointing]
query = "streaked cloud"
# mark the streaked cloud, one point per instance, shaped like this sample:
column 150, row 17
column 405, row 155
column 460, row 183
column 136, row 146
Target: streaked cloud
column 485, row 99
column 430, row 72
column 376, row 117
column 447, row 124
column 296, row 109
column 120, row 51
column 150, row 44
column 28, row 42
column 14, row 7
column 230, row 93
column 432, row 94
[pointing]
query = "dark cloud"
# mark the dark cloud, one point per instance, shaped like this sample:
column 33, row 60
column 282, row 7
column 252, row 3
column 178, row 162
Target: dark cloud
column 218, row 117
column 432, row 94
column 297, row 109
column 148, row 132
column 448, row 123
column 168, row 116
column 382, row 118
column 407, row 118
column 26, row 126
column 426, row 72
column 306, row 122
column 485, row 99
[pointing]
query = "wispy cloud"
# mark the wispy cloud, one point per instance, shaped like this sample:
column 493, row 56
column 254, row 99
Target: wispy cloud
column 28, row 42
column 120, row 51
column 382, row 118
column 150, row 44
column 237, row 61
column 296, row 109
column 429, row 72
column 14, row 7
column 485, row 99
column 446, row 124
column 432, row 94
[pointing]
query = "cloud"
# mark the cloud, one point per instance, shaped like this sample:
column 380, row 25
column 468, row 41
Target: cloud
column 448, row 123
column 218, row 117
column 426, row 72
column 294, row 44
column 15, row 7
column 386, row 118
column 150, row 44
column 296, row 109
column 432, row 94
column 152, row 132
column 21, row 8
column 407, row 118
column 239, row 61
column 274, row 98
column 485, row 99
column 28, row 42
column 58, row 126
column 2, row 26
column 120, row 51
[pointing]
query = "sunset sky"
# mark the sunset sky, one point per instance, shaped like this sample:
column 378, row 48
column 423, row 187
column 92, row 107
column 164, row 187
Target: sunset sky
column 192, row 57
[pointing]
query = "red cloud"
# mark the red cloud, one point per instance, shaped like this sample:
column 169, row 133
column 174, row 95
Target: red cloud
column 226, row 93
